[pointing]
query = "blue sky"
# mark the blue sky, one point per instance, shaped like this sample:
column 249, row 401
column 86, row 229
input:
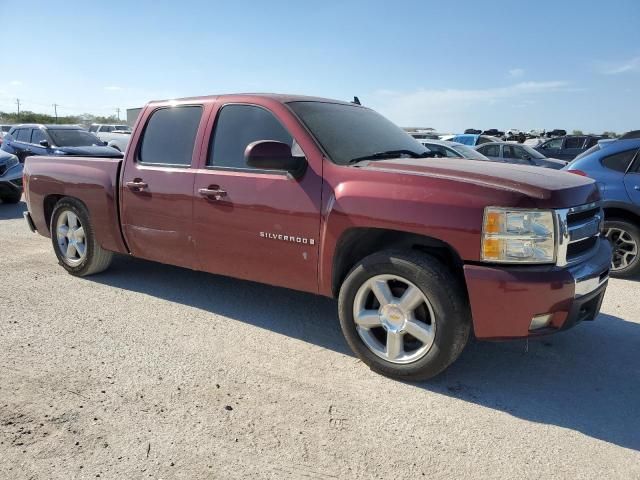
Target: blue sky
column 572, row 64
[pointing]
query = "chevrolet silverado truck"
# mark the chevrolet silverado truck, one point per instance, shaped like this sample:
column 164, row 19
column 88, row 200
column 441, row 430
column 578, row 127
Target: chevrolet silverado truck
column 332, row 198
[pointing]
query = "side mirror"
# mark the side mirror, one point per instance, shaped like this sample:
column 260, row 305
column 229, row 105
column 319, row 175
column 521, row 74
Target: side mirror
column 272, row 155
column 44, row 143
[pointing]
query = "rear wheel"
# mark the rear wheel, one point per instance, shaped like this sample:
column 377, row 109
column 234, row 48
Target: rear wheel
column 404, row 314
column 74, row 242
column 625, row 242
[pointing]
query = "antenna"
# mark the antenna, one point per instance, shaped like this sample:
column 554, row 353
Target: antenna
column 356, row 100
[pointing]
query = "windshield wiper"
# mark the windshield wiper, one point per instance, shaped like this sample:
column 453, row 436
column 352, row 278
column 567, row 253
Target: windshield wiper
column 388, row 154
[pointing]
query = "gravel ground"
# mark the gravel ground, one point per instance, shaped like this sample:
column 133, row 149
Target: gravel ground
column 151, row 371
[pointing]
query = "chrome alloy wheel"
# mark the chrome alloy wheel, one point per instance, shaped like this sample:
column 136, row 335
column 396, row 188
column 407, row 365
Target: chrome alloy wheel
column 394, row 319
column 625, row 248
column 71, row 238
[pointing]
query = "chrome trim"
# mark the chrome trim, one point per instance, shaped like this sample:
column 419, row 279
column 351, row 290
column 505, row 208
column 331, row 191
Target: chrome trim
column 565, row 237
column 587, row 286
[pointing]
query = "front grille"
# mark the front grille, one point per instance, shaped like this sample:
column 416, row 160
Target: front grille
column 579, row 231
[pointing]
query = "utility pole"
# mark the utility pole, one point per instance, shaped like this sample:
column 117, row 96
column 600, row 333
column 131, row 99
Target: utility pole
column 18, row 103
column 55, row 111
column 118, row 112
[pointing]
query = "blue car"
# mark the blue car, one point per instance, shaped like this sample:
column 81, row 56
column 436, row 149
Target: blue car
column 34, row 139
column 615, row 165
column 10, row 178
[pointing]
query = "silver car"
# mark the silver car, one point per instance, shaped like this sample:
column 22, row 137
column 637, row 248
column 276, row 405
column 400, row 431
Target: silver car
column 444, row 148
column 519, row 154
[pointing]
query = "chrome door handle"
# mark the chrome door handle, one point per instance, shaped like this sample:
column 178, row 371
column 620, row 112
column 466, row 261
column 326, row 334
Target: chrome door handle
column 213, row 192
column 136, row 185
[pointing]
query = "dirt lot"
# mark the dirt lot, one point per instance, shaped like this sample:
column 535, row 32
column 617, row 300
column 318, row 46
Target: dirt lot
column 150, row 371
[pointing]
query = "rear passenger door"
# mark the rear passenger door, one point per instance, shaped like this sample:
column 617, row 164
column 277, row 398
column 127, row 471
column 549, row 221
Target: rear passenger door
column 157, row 186
column 20, row 144
column 264, row 225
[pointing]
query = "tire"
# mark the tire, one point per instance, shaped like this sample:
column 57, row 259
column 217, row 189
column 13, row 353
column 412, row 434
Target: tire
column 625, row 241
column 90, row 259
column 444, row 315
column 11, row 198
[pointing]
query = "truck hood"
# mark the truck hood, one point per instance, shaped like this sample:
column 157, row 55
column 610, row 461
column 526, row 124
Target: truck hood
column 550, row 188
column 91, row 151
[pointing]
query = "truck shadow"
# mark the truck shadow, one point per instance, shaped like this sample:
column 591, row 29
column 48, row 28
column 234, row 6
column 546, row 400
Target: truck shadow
column 586, row 379
column 10, row 211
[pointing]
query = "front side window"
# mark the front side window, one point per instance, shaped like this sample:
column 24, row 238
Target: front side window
column 555, row 144
column 170, row 135
column 347, row 132
column 619, row 161
column 574, row 142
column 37, row 136
column 490, row 150
column 236, row 127
column 106, row 129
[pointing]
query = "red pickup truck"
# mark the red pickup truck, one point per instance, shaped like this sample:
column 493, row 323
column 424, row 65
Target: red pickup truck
column 330, row 197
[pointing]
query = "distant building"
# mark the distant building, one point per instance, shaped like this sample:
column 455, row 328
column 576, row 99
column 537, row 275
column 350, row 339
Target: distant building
column 132, row 115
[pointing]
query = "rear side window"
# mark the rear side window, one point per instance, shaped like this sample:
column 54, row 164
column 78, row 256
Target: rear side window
column 106, row 129
column 93, row 128
column 170, row 136
column 23, row 135
column 619, row 161
column 482, row 140
column 238, row 126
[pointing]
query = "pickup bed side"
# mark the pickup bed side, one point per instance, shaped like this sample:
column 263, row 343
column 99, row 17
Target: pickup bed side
column 93, row 181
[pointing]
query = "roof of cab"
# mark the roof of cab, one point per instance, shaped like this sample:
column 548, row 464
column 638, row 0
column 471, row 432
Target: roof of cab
column 279, row 97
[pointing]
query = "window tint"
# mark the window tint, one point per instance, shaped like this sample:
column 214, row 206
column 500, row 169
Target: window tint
column 170, row 135
column 490, row 150
column 619, row 161
column 24, row 135
column 556, row 143
column 591, row 142
column 37, row 136
column 93, row 128
column 482, row 140
column 106, row 129
column 238, row 126
column 517, row 153
column 574, row 142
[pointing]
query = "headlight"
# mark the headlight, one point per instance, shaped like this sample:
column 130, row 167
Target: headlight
column 518, row 236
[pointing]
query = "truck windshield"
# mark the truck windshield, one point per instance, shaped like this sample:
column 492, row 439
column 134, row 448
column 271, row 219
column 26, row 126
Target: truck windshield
column 67, row 137
column 348, row 132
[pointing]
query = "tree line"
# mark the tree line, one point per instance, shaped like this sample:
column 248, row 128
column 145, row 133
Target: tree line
column 32, row 117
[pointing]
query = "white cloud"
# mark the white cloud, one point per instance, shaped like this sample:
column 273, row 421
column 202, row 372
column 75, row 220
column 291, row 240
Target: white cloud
column 516, row 72
column 113, row 88
column 616, row 68
column 15, row 83
column 449, row 108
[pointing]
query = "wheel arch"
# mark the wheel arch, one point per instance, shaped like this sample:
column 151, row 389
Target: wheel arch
column 615, row 212
column 357, row 243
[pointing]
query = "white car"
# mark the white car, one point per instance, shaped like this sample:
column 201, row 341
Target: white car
column 116, row 136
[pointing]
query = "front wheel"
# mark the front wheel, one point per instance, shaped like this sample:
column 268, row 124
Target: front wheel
column 404, row 314
column 74, row 242
column 625, row 242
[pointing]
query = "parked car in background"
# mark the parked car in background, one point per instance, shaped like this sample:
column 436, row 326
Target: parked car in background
column 567, row 147
column 10, row 178
column 34, row 139
column 445, row 149
column 116, row 136
column 615, row 165
column 470, row 139
column 4, row 129
column 518, row 153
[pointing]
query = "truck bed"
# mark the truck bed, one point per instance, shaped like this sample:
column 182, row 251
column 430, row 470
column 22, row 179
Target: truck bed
column 94, row 181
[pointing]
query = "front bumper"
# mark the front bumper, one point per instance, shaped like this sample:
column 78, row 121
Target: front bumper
column 505, row 299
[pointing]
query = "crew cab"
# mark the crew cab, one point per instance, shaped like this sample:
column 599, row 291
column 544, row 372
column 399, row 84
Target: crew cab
column 331, row 198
